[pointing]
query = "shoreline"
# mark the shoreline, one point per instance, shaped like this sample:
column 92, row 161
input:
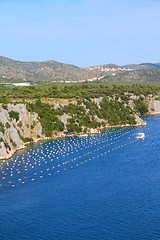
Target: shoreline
column 62, row 135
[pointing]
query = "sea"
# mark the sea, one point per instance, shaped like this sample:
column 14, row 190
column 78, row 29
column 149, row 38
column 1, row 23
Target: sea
column 97, row 187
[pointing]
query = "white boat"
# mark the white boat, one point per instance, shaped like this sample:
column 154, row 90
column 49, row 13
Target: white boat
column 140, row 136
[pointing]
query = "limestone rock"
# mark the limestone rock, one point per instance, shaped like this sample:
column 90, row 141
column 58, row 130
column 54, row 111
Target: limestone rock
column 14, row 132
column 139, row 121
column 154, row 106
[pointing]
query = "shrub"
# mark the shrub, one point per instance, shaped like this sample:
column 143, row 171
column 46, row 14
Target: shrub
column 7, row 146
column 5, row 106
column 4, row 99
column 7, row 125
column 13, row 143
column 19, row 124
column 27, row 139
column 14, row 115
column 140, row 106
column 2, row 129
column 47, row 116
column 33, row 124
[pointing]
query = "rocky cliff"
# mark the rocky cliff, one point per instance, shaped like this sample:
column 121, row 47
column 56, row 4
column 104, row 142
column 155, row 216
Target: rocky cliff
column 20, row 126
column 17, row 127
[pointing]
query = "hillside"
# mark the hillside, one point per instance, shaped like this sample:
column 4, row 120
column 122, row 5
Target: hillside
column 143, row 66
column 53, row 71
column 75, row 109
column 42, row 71
column 146, row 75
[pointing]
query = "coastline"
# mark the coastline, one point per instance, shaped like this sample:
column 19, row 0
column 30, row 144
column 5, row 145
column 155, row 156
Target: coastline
column 62, row 135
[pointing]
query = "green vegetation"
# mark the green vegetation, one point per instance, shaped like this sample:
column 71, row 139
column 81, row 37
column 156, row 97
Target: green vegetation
column 27, row 139
column 2, row 128
column 116, row 112
column 13, row 143
column 14, row 115
column 5, row 106
column 48, row 117
column 7, row 125
column 7, row 145
column 19, row 124
column 33, row 124
column 74, row 91
column 113, row 108
column 82, row 115
column 4, row 99
column 141, row 106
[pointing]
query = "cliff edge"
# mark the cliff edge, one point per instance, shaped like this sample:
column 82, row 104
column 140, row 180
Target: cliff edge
column 22, row 123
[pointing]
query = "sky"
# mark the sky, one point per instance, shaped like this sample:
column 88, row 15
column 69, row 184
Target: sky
column 81, row 32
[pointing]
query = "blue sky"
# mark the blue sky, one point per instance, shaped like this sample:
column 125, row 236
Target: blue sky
column 81, row 32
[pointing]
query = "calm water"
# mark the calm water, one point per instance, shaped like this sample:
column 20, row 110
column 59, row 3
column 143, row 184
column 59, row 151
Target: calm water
column 96, row 187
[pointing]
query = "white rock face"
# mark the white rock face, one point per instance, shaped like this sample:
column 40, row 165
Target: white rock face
column 154, row 106
column 93, row 131
column 98, row 101
column 139, row 121
column 13, row 132
column 134, row 97
column 97, row 119
column 64, row 118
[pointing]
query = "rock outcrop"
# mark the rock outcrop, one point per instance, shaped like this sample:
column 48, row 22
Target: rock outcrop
column 153, row 106
column 17, row 127
column 139, row 121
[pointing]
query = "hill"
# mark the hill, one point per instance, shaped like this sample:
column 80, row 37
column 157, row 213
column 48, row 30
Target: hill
column 53, row 71
column 146, row 76
column 143, row 66
column 55, row 111
column 42, row 71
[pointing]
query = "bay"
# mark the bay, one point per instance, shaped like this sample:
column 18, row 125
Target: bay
column 104, row 186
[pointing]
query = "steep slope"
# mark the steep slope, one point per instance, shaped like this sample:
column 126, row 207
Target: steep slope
column 17, row 126
column 37, row 120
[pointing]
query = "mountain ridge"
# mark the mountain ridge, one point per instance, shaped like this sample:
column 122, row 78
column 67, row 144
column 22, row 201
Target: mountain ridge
column 54, row 71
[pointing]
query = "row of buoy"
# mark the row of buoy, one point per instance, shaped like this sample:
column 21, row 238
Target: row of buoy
column 27, row 164
column 62, row 154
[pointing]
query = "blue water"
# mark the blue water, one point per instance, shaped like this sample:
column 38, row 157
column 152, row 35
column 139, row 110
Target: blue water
column 105, row 186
